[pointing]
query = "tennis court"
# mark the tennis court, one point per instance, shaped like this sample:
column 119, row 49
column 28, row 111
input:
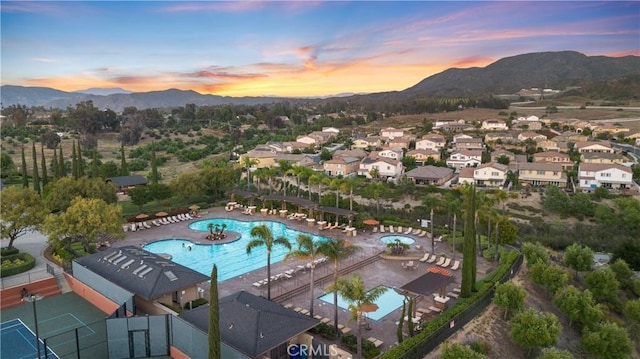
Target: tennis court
column 23, row 342
column 65, row 323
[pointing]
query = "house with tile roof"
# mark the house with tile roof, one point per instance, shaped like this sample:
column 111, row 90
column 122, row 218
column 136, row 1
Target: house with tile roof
column 430, row 175
column 465, row 158
column 607, row 175
column 542, row 174
column 490, row 175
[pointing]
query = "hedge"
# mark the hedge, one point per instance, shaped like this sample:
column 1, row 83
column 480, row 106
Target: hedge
column 16, row 263
column 195, row 303
column 6, row 251
column 483, row 286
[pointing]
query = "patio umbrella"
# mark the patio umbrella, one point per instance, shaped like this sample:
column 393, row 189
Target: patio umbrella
column 142, row 216
column 161, row 214
column 368, row 307
column 371, row 222
column 194, row 207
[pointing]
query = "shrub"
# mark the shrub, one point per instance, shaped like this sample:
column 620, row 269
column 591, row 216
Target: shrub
column 324, row 330
column 195, row 303
column 17, row 263
column 5, row 251
column 369, row 350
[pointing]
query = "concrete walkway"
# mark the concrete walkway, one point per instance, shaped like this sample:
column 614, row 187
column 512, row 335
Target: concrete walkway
column 33, row 243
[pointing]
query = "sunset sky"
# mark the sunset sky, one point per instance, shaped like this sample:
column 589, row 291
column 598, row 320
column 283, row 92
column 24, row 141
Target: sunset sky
column 291, row 48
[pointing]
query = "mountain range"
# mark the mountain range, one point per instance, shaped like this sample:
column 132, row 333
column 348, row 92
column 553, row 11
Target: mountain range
column 557, row 70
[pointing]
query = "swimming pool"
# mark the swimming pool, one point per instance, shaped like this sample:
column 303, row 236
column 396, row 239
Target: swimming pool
column 231, row 258
column 402, row 239
column 389, row 301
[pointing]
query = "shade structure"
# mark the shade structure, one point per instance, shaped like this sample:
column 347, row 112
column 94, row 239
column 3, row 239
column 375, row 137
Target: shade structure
column 371, row 222
column 194, row 207
column 162, row 214
column 368, row 307
column 142, row 216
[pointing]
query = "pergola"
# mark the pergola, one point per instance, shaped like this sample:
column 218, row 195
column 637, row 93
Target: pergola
column 338, row 212
column 246, row 194
column 426, row 285
column 298, row 201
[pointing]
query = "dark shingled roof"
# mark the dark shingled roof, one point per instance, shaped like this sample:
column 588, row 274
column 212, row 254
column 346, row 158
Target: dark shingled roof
column 428, row 284
column 250, row 324
column 126, row 181
column 144, row 273
column 338, row 211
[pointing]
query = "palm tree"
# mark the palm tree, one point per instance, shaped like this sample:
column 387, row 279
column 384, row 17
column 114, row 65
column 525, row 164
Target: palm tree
column 336, row 250
column 376, row 188
column 336, row 183
column 307, row 249
column 353, row 290
column 247, row 163
column 262, row 236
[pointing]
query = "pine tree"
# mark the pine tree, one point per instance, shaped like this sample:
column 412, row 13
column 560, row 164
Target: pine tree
column 36, row 177
column 80, row 162
column 154, row 166
column 74, row 161
column 94, row 165
column 124, row 171
column 469, row 246
column 45, row 175
column 62, row 167
column 25, row 179
column 214, row 317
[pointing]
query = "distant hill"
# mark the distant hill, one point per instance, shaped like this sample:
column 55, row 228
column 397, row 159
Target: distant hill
column 556, row 70
column 51, row 98
column 104, row 91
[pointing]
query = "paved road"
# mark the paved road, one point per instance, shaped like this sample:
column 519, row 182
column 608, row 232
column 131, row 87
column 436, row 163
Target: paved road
column 33, row 243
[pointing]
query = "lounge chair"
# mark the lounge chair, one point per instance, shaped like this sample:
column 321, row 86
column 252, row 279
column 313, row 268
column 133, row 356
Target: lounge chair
column 425, row 257
column 441, row 261
column 146, row 225
column 446, row 263
column 423, row 233
column 432, row 258
column 125, row 227
column 399, row 229
column 156, row 223
column 175, row 219
column 456, row 265
column 381, row 228
column 408, row 230
column 391, row 229
column 374, row 230
column 133, row 227
column 416, row 231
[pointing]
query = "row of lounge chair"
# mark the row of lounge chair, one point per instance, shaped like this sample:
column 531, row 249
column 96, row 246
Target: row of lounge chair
column 327, row 321
column 138, row 226
column 288, row 274
column 442, row 261
column 391, row 229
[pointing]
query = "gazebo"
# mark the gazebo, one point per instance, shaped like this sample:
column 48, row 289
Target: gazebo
column 426, row 285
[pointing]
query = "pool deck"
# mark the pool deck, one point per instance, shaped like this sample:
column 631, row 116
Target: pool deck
column 387, row 270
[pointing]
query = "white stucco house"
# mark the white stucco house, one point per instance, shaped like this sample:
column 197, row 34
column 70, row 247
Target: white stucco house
column 494, row 125
column 431, row 141
column 490, row 175
column 607, row 175
column 391, row 132
column 465, row 158
column 387, row 168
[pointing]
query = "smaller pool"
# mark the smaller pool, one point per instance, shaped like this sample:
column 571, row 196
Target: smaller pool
column 389, row 301
column 402, row 239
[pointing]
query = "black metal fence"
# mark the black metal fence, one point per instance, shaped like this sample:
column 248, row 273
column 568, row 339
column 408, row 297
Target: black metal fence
column 87, row 341
column 460, row 320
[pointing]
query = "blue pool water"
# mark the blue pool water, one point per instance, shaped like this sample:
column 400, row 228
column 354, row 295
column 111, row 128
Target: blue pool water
column 231, row 258
column 402, row 239
column 389, row 301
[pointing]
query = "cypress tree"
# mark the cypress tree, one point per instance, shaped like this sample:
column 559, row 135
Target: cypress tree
column 25, row 179
column 469, row 246
column 154, row 166
column 36, row 177
column 45, row 175
column 124, row 171
column 63, row 169
column 94, row 165
column 54, row 165
column 80, row 162
column 214, row 317
column 74, row 161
